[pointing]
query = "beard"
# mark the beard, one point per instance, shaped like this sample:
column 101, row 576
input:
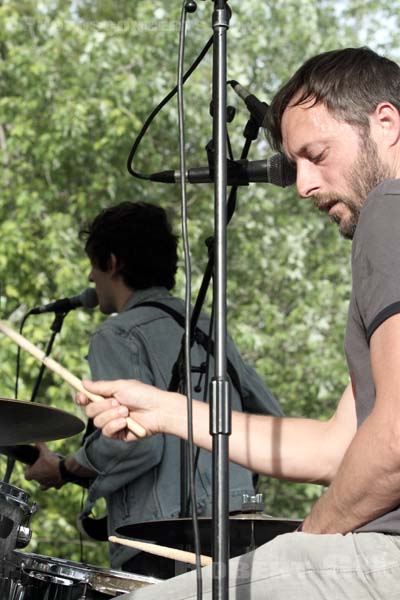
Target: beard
column 365, row 174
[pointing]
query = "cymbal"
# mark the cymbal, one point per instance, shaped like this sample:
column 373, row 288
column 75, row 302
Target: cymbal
column 22, row 452
column 247, row 531
column 28, row 422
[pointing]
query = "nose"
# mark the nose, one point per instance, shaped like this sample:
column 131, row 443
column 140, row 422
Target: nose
column 90, row 277
column 307, row 180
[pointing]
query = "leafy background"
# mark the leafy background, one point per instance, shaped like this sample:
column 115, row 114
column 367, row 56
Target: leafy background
column 77, row 80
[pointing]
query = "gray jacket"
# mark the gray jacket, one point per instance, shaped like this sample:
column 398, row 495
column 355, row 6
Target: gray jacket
column 141, row 481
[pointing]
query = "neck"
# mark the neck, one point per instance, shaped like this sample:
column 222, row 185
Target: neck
column 123, row 293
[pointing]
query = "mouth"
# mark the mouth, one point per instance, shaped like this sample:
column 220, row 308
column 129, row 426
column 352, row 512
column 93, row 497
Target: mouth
column 328, row 206
column 331, row 208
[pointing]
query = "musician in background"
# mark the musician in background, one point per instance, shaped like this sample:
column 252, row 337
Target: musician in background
column 133, row 255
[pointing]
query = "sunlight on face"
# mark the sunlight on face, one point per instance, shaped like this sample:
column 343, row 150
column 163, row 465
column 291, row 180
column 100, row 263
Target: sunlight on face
column 366, row 172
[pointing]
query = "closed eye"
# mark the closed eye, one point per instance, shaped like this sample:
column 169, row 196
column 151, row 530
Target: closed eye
column 318, row 158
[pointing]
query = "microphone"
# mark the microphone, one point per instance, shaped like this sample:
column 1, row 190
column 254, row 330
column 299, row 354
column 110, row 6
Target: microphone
column 257, row 109
column 86, row 299
column 276, row 170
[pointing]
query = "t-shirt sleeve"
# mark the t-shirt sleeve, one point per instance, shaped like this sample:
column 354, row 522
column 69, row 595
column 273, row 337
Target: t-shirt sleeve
column 376, row 261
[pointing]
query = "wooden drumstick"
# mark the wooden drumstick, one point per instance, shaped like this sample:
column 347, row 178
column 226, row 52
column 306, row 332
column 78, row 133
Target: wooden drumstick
column 53, row 365
column 165, row 551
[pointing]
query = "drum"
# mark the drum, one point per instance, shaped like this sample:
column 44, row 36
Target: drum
column 38, row 577
column 15, row 515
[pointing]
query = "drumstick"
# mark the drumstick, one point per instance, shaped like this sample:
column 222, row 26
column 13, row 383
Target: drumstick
column 165, row 551
column 53, row 365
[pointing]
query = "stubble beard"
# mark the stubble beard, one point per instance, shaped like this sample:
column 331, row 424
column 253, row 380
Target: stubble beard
column 366, row 173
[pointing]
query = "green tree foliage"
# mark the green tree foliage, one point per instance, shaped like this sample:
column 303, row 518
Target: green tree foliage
column 78, row 79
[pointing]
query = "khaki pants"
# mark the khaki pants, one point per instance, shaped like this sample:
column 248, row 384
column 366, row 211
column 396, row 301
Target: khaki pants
column 301, row 566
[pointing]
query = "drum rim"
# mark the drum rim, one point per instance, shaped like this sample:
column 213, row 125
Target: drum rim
column 88, row 573
column 14, row 494
column 57, row 567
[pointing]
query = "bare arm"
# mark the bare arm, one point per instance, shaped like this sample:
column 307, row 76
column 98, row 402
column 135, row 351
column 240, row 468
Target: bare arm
column 367, row 484
column 295, row 449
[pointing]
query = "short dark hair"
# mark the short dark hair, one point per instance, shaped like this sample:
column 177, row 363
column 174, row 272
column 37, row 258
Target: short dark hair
column 141, row 238
column 350, row 82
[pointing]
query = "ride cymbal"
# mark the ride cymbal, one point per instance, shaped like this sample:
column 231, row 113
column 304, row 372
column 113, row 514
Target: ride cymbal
column 247, row 531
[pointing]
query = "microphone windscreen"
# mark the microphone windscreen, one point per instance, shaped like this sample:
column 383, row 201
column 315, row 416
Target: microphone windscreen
column 280, row 171
column 89, row 298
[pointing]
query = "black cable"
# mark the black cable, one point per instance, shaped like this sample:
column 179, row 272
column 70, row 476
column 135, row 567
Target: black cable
column 17, row 370
column 188, row 278
column 81, row 547
column 10, row 460
column 163, row 102
column 206, row 382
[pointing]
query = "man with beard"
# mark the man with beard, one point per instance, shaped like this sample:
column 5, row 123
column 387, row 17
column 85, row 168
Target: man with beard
column 338, row 120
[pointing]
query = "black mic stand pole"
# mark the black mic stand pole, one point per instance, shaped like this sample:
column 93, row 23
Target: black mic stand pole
column 55, row 328
column 220, row 414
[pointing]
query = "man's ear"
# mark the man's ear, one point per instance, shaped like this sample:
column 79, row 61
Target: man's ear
column 112, row 265
column 385, row 122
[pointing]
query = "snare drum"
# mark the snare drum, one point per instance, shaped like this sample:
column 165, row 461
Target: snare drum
column 42, row 577
column 15, row 515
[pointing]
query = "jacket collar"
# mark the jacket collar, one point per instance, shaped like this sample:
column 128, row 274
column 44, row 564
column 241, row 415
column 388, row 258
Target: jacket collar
column 139, row 296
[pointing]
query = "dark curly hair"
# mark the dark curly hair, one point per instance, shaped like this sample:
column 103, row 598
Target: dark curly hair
column 141, row 238
column 350, row 82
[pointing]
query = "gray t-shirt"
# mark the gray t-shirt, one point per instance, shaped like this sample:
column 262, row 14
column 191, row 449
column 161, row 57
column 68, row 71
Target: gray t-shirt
column 375, row 297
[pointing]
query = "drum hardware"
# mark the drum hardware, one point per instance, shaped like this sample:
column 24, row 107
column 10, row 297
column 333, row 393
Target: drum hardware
column 15, row 514
column 253, row 504
column 23, row 537
column 11, row 589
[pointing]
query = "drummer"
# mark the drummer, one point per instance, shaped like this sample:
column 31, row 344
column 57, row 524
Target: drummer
column 338, row 120
column 133, row 255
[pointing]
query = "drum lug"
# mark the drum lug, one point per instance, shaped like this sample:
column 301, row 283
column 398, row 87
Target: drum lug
column 23, row 537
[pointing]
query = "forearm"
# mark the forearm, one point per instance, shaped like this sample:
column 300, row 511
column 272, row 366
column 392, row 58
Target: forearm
column 78, row 470
column 279, row 447
column 51, row 470
column 295, row 449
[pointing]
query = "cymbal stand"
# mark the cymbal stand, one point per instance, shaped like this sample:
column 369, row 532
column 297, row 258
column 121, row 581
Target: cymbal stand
column 55, row 328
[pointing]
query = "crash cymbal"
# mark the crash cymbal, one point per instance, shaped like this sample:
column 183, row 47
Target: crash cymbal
column 28, row 422
column 247, row 532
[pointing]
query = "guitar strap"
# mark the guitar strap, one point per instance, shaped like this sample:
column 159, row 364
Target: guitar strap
column 201, row 338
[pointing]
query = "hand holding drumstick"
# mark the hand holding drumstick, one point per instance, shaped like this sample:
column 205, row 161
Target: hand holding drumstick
column 137, row 430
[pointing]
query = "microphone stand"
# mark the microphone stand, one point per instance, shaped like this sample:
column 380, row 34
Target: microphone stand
column 55, row 328
column 220, row 404
column 220, row 414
